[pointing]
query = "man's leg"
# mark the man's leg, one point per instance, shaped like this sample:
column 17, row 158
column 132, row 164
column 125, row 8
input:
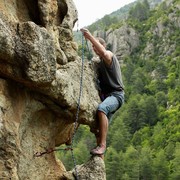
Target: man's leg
column 102, row 134
column 103, row 128
column 109, row 105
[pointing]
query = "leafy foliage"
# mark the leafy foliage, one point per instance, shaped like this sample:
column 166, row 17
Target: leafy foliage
column 140, row 11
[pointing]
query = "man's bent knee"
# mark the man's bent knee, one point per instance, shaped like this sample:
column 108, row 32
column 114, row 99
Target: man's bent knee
column 102, row 109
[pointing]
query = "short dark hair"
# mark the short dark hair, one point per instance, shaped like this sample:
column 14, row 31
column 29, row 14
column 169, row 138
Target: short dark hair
column 102, row 41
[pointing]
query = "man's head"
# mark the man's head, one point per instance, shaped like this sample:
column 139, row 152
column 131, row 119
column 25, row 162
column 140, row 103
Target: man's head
column 102, row 42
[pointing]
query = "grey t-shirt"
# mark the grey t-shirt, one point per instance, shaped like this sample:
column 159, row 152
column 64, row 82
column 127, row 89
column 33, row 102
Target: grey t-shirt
column 109, row 77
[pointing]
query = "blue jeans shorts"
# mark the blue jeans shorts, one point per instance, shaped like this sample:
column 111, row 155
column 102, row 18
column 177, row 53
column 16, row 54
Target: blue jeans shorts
column 111, row 104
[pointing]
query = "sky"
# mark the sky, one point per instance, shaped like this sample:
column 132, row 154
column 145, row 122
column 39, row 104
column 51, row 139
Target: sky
column 91, row 10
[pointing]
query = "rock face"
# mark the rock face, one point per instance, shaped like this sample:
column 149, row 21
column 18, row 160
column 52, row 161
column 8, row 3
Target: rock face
column 123, row 41
column 39, row 87
column 93, row 169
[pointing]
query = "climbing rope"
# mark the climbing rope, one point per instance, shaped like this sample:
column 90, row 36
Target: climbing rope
column 90, row 55
column 48, row 151
column 78, row 108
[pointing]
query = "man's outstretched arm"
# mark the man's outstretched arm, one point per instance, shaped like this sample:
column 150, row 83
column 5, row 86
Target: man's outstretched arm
column 98, row 47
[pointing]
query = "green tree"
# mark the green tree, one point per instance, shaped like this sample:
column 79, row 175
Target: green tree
column 160, row 166
column 159, row 136
column 125, row 176
column 114, row 164
column 128, row 69
column 131, row 163
column 171, row 80
column 142, row 137
column 119, row 135
column 175, row 163
column 161, row 99
column 162, row 70
column 66, row 159
column 138, row 80
column 169, row 150
column 106, row 20
column 140, row 110
column 132, row 115
column 151, row 110
column 149, row 65
column 146, row 4
column 140, row 11
column 146, row 163
column 138, row 86
column 81, row 152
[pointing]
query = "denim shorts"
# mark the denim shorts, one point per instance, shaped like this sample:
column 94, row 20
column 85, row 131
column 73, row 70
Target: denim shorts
column 111, row 104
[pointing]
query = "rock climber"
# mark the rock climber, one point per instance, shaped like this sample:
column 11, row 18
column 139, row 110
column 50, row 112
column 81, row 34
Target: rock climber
column 111, row 89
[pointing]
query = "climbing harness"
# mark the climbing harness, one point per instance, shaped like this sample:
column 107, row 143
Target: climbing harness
column 48, row 151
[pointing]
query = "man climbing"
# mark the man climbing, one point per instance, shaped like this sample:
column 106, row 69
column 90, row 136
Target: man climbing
column 111, row 89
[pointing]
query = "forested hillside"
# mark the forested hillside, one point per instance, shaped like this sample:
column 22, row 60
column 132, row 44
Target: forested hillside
column 144, row 137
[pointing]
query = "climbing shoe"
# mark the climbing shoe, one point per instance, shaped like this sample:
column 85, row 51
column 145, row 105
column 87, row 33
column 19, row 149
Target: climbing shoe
column 99, row 150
